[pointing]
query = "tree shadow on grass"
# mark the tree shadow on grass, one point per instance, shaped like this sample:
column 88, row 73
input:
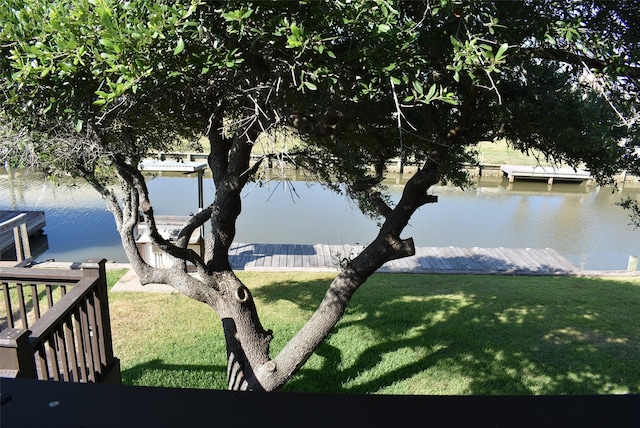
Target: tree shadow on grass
column 446, row 334
column 512, row 336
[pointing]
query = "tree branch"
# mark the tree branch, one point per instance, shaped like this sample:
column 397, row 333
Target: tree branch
column 577, row 59
column 135, row 179
column 380, row 205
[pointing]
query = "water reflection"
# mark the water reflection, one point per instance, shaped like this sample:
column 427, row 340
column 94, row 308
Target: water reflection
column 581, row 223
column 78, row 225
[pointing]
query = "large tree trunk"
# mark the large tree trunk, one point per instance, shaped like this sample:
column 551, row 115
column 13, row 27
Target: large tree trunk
column 250, row 366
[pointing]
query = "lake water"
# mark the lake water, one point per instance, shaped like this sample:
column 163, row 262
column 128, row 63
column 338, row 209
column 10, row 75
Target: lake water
column 582, row 223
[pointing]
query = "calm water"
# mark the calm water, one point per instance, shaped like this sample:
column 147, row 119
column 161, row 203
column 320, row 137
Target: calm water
column 582, row 224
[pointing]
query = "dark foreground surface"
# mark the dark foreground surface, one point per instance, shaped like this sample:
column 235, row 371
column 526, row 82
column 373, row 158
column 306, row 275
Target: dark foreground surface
column 31, row 403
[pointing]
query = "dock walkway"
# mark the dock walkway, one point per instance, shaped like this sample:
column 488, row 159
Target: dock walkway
column 319, row 257
column 435, row 260
column 35, row 224
column 432, row 260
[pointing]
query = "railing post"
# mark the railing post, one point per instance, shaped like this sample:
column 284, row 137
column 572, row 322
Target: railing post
column 16, row 356
column 95, row 268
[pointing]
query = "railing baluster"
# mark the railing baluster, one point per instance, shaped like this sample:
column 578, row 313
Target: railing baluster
column 72, row 350
column 35, row 301
column 7, row 304
column 95, row 347
column 49, row 295
column 84, row 323
column 41, row 362
column 80, row 346
column 53, row 358
column 99, row 330
column 22, row 306
column 62, row 354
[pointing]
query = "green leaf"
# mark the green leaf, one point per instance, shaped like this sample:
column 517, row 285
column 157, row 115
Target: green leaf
column 395, row 80
column 383, row 28
column 501, row 50
column 79, row 124
column 295, row 30
column 310, row 85
column 231, row 16
column 106, row 43
column 179, row 47
column 418, row 87
column 432, row 92
column 191, row 9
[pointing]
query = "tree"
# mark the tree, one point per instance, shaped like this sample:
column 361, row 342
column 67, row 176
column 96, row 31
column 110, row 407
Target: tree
column 91, row 87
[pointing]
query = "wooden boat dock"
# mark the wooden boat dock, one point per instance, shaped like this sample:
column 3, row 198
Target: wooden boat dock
column 452, row 260
column 430, row 260
column 548, row 173
column 35, row 224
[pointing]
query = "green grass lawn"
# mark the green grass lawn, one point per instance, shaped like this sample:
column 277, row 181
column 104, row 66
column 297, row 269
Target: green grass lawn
column 500, row 153
column 407, row 334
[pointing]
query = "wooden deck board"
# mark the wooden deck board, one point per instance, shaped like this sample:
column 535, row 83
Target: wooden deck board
column 320, row 257
column 507, row 260
column 468, row 258
column 275, row 255
column 258, row 258
column 267, row 256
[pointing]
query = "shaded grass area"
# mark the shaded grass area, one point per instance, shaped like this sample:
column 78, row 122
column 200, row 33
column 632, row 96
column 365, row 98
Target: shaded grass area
column 407, row 334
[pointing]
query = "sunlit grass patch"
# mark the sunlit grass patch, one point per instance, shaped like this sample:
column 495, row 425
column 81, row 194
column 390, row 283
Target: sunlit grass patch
column 407, row 334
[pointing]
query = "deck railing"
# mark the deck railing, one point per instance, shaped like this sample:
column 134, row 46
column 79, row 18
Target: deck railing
column 56, row 325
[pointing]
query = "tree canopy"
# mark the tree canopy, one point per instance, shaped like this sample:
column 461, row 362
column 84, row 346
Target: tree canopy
column 92, row 87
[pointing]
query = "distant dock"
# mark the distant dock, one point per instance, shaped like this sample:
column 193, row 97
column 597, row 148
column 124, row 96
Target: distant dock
column 548, row 173
column 35, row 222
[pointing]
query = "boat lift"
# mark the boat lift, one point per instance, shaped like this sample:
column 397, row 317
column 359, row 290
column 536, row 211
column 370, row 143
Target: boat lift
column 169, row 226
column 154, row 165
